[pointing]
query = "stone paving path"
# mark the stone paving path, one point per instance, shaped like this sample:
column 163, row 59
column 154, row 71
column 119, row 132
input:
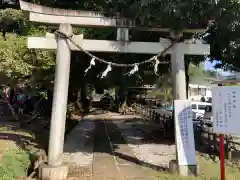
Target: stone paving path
column 154, row 152
column 78, row 150
column 78, row 147
column 98, row 149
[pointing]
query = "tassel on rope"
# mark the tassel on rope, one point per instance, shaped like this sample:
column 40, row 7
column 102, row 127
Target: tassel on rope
column 107, row 70
column 134, row 70
column 92, row 63
column 157, row 62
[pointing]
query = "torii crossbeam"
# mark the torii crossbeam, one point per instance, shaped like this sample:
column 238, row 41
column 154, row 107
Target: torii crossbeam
column 50, row 43
column 42, row 14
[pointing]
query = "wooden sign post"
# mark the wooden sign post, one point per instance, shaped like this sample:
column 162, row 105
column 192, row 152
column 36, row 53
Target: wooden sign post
column 226, row 100
column 48, row 15
column 222, row 149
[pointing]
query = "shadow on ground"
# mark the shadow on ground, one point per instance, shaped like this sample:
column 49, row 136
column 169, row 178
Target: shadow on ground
column 142, row 132
column 145, row 132
column 33, row 134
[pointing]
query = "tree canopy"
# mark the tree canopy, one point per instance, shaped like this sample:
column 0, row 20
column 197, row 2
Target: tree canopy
column 19, row 62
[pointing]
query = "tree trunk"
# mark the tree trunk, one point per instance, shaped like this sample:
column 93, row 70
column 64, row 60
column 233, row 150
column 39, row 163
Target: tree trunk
column 90, row 95
column 84, row 99
column 122, row 98
column 123, row 104
column 78, row 101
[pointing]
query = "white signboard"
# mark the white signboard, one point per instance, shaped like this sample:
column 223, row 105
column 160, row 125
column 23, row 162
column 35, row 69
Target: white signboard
column 226, row 112
column 184, row 132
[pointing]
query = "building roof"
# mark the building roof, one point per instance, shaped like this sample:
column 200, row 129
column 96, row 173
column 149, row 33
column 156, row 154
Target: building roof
column 203, row 81
column 226, row 81
column 143, row 87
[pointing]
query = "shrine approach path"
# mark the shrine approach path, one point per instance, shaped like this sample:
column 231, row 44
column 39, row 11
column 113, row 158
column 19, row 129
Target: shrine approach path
column 112, row 157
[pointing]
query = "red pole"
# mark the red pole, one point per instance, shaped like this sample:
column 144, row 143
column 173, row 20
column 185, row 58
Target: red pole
column 222, row 156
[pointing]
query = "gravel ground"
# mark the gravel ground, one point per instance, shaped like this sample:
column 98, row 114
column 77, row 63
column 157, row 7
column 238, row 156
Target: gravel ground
column 154, row 152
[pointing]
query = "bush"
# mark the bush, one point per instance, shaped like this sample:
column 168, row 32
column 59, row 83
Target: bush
column 14, row 164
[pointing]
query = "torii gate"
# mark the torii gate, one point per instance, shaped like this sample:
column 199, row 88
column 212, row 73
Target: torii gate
column 55, row 169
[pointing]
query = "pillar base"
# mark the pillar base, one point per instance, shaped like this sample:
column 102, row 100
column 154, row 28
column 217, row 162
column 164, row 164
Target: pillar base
column 190, row 170
column 47, row 172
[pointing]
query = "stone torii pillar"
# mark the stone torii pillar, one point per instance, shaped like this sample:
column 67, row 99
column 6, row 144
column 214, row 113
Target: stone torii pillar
column 55, row 170
column 179, row 93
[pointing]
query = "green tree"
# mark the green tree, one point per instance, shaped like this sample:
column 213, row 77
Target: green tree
column 17, row 61
column 171, row 14
column 196, row 70
column 199, row 72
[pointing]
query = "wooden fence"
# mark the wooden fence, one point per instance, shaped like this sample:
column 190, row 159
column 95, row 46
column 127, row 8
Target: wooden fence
column 163, row 120
column 204, row 136
column 207, row 139
column 151, row 114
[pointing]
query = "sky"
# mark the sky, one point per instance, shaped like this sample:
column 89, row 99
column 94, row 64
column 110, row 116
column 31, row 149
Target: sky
column 210, row 66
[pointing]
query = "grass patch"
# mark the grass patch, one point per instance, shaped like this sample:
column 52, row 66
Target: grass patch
column 14, row 161
column 14, row 164
column 209, row 170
